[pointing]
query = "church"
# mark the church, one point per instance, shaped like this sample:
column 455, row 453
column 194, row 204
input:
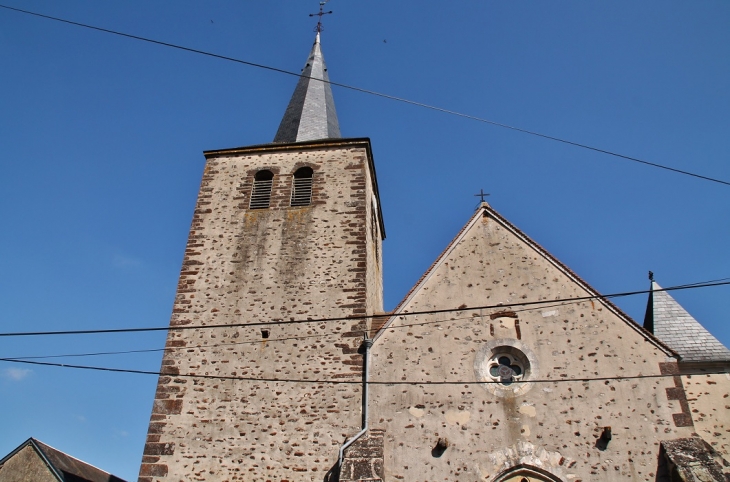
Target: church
column 500, row 364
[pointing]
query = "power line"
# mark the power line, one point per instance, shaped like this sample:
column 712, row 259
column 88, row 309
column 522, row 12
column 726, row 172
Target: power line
column 173, row 348
column 689, row 285
column 358, row 317
column 372, row 92
column 351, row 382
column 259, row 341
column 321, row 335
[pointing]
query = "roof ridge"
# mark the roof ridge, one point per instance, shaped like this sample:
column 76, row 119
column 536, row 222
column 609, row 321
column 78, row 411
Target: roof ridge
column 426, row 274
column 38, row 442
column 618, row 311
column 485, row 207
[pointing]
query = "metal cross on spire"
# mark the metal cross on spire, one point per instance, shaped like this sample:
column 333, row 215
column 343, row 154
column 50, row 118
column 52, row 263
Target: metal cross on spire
column 481, row 194
column 321, row 13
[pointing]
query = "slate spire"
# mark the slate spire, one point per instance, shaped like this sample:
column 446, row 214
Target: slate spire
column 311, row 112
column 680, row 331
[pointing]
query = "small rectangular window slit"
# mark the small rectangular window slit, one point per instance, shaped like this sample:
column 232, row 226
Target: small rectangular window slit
column 264, row 334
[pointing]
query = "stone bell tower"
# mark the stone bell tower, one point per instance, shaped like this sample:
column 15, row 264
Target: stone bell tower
column 282, row 233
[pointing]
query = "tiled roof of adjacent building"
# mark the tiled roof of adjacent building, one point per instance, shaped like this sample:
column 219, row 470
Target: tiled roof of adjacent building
column 311, row 112
column 674, row 326
column 63, row 466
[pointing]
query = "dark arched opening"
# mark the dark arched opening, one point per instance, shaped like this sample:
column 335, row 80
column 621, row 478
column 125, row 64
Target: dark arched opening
column 526, row 473
column 261, row 192
column 301, row 192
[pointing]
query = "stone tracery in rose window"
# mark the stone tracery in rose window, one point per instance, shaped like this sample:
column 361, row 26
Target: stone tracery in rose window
column 505, row 369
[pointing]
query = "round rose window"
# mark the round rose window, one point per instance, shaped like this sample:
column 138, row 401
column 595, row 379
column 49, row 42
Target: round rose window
column 505, row 369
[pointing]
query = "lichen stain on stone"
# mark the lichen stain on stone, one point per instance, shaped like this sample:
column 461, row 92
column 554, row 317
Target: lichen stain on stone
column 297, row 215
column 252, row 217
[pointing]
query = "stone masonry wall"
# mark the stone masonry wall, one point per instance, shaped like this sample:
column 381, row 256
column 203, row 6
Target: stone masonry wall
column 553, row 426
column 708, row 399
column 274, row 265
column 374, row 263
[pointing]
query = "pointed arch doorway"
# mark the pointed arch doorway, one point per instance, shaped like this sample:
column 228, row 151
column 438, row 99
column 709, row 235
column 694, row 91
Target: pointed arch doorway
column 526, row 473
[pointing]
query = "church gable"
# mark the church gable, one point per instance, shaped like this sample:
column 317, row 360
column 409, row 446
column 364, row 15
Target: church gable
column 491, row 263
column 494, row 382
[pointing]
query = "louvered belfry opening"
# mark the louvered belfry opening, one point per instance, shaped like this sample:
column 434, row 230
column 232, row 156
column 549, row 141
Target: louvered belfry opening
column 261, row 192
column 301, row 193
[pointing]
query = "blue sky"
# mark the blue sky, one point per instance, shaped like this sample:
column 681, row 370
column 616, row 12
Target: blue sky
column 102, row 141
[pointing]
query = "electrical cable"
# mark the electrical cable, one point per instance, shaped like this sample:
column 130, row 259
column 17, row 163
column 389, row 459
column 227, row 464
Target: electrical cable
column 360, row 317
column 352, row 317
column 173, row 348
column 291, row 338
column 351, row 382
column 699, row 283
column 374, row 93
column 258, row 341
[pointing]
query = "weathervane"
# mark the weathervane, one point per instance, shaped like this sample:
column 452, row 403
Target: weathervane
column 481, row 194
column 319, row 27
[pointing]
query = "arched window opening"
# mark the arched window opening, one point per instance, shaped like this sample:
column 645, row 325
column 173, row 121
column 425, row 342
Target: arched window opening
column 301, row 193
column 261, row 192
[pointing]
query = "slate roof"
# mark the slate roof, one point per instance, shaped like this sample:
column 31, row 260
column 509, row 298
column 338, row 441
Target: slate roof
column 674, row 326
column 311, row 112
column 63, row 466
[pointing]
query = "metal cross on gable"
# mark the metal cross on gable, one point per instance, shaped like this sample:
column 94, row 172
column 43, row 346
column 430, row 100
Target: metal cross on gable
column 321, row 13
column 481, row 194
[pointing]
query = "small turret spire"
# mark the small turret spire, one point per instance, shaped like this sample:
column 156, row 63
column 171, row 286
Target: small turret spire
column 671, row 323
column 649, row 313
